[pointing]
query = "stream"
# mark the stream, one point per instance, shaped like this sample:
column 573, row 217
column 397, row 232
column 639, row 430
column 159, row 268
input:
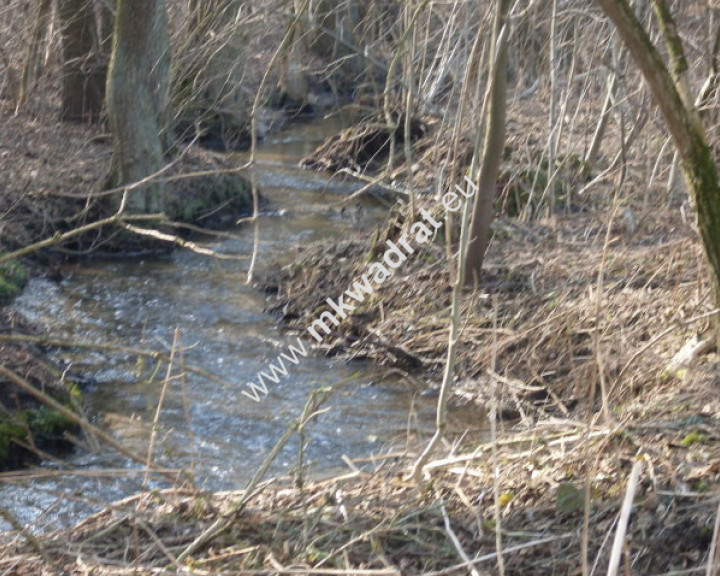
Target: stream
column 208, row 427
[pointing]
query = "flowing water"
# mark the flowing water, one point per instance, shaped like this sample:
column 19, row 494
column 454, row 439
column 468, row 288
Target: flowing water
column 209, row 427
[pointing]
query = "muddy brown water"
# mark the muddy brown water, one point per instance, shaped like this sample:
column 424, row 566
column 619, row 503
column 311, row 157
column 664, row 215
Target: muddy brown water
column 216, row 432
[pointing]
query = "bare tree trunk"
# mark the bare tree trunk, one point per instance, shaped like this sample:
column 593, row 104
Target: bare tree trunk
column 106, row 25
column 137, row 99
column 494, row 144
column 683, row 122
column 594, row 148
column 83, row 91
column 293, row 80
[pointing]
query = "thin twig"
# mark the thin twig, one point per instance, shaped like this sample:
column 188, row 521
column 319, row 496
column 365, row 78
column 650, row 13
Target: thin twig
column 224, row 521
column 32, row 540
column 712, row 564
column 493, row 555
column 456, row 542
column 622, row 526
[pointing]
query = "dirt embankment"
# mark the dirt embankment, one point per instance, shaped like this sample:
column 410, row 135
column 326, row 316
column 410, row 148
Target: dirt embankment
column 56, row 173
column 572, row 337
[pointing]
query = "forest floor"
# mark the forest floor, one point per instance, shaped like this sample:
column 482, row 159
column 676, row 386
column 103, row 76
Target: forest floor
column 571, row 335
column 573, row 338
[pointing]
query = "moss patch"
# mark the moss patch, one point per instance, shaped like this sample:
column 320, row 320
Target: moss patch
column 210, row 200
column 48, row 423
column 23, row 419
column 46, row 428
column 9, row 431
column 12, row 278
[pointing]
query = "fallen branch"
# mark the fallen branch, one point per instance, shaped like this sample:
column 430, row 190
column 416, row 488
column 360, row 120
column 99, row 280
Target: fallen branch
column 25, row 386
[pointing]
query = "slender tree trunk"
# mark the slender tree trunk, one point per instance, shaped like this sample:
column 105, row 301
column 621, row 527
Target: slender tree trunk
column 83, row 91
column 33, row 58
column 106, row 25
column 494, row 144
column 293, row 79
column 137, row 98
column 594, row 149
column 683, row 122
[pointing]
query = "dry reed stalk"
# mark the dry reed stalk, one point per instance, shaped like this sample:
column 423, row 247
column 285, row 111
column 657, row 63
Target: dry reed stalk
column 624, row 519
column 712, row 563
column 494, row 452
column 159, row 407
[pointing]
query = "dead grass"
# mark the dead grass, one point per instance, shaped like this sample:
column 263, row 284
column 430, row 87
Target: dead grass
column 581, row 370
column 541, row 280
column 372, row 521
column 558, row 345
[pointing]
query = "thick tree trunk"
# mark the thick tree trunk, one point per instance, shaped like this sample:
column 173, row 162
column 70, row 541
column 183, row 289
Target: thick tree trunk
column 494, row 144
column 137, row 98
column 682, row 121
column 83, row 91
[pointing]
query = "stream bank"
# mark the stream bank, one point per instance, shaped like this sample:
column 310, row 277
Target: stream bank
column 582, row 419
column 115, row 319
column 28, row 428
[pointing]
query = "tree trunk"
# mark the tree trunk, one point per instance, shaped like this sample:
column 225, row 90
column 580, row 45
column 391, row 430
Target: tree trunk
column 137, row 97
column 106, row 25
column 32, row 64
column 83, row 89
column 494, row 144
column 293, row 79
column 682, row 121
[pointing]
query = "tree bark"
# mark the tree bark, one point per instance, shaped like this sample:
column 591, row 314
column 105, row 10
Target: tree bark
column 137, row 99
column 682, row 121
column 293, row 79
column 494, row 144
column 83, row 90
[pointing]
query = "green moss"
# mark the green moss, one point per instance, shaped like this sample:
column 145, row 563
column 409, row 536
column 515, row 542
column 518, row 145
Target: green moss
column 215, row 192
column 45, row 426
column 12, row 278
column 691, row 438
column 45, row 422
column 8, row 432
